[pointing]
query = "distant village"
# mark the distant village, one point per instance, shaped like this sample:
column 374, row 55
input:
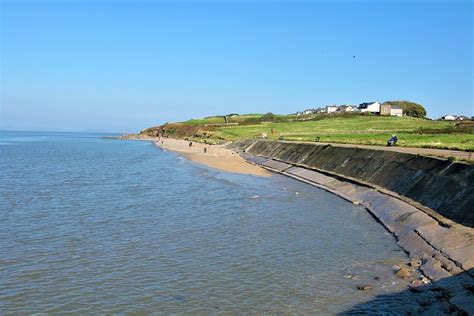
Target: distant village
column 372, row 107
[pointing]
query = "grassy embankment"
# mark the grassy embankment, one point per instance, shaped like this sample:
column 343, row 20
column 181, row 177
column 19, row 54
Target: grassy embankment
column 348, row 128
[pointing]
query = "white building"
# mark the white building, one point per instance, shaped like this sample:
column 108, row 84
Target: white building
column 332, row 108
column 347, row 108
column 396, row 110
column 373, row 107
column 308, row 111
column 449, row 117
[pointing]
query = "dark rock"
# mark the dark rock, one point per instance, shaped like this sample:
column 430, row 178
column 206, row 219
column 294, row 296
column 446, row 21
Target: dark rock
column 426, row 302
column 364, row 287
column 414, row 289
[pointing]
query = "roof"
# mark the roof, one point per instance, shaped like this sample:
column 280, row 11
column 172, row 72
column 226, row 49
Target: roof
column 397, row 107
column 365, row 105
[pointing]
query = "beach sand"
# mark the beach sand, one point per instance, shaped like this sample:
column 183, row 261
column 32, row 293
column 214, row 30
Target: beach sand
column 217, row 156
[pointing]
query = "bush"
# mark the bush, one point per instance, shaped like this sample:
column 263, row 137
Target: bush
column 409, row 108
column 269, row 117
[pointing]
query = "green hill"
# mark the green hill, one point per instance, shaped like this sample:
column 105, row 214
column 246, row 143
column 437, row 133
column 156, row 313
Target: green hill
column 350, row 128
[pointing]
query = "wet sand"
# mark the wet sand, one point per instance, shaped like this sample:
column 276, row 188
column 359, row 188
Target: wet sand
column 217, row 156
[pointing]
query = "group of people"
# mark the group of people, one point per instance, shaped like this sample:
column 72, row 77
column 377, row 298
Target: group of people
column 191, row 145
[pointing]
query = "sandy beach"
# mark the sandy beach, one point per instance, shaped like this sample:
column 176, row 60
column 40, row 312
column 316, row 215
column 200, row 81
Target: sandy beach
column 217, row 156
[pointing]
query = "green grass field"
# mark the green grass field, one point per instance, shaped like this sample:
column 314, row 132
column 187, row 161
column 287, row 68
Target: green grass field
column 367, row 130
column 349, row 129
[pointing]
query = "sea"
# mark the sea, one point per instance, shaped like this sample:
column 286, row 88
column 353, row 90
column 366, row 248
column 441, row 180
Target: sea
column 90, row 225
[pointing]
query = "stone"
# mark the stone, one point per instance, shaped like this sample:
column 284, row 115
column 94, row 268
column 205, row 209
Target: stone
column 403, row 273
column 415, row 262
column 364, row 287
column 416, row 283
column 426, row 302
column 352, row 277
column 424, row 280
column 414, row 289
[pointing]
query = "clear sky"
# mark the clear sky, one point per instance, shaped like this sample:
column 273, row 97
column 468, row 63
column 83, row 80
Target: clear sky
column 127, row 65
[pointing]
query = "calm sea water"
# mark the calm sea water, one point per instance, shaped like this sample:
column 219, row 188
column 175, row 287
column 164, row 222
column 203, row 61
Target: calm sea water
column 89, row 225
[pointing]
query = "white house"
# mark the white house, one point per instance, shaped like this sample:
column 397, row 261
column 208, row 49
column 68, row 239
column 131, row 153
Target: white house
column 449, row 117
column 308, row 111
column 332, row 108
column 396, row 110
column 373, row 107
column 347, row 108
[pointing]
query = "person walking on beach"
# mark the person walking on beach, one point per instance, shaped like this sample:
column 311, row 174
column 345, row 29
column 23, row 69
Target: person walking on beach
column 190, row 144
column 205, row 149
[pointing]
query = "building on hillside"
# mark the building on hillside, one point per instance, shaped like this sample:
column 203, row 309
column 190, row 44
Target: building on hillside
column 385, row 109
column 372, row 107
column 348, row 108
column 332, row 109
column 309, row 111
column 396, row 110
column 393, row 110
column 448, row 117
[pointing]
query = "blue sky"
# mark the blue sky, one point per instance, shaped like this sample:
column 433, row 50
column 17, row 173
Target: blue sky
column 124, row 66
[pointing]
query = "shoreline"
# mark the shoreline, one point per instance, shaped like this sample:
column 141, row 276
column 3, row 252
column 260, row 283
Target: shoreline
column 217, row 156
column 437, row 248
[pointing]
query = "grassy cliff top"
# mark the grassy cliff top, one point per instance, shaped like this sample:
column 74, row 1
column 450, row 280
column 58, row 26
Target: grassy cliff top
column 350, row 128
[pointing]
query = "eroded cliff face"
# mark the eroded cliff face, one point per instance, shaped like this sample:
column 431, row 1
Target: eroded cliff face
column 445, row 187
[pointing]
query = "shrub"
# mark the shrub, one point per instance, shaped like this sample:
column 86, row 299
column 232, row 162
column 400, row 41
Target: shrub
column 269, row 117
column 409, row 108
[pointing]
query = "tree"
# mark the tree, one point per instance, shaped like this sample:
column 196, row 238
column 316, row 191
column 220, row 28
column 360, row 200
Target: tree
column 409, row 108
column 269, row 117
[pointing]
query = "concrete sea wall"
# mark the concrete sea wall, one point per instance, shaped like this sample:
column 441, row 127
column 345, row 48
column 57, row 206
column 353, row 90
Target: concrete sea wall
column 445, row 187
column 442, row 250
